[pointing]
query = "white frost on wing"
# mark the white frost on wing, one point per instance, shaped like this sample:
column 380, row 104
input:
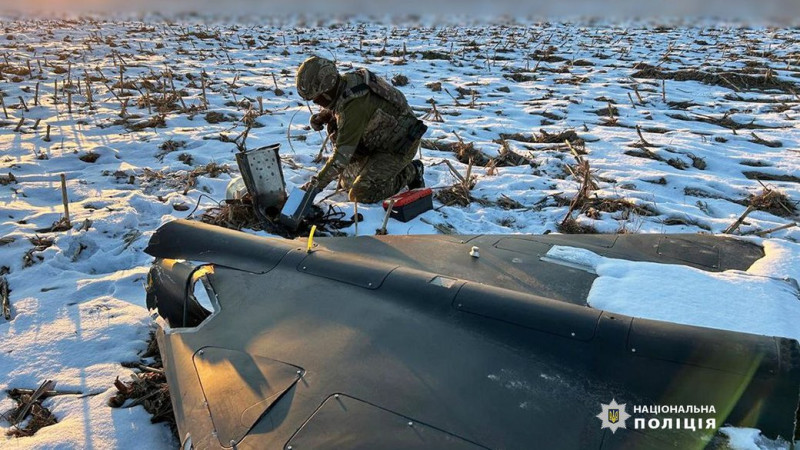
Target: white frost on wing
column 782, row 260
column 574, row 257
column 757, row 301
column 751, row 439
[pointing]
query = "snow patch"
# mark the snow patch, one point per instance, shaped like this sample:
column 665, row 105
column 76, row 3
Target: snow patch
column 751, row 439
column 760, row 301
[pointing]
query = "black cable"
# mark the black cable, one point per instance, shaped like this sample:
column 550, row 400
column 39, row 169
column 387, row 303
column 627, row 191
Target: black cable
column 197, row 205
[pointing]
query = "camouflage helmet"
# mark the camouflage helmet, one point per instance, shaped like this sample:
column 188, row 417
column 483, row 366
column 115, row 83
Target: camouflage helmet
column 315, row 77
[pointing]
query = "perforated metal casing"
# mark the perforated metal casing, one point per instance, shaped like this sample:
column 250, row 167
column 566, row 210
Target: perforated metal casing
column 263, row 176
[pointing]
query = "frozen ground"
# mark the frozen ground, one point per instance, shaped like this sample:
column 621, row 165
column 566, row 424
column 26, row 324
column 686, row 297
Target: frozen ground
column 685, row 155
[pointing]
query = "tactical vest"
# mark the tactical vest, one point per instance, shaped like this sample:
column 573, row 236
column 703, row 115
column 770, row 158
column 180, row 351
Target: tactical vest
column 393, row 127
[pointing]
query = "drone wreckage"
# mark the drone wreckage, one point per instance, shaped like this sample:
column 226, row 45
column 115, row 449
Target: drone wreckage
column 370, row 342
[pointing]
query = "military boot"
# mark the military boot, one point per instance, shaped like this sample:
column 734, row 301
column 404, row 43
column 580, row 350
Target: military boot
column 418, row 181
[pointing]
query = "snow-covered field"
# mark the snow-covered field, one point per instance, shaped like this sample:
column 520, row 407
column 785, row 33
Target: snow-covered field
column 140, row 114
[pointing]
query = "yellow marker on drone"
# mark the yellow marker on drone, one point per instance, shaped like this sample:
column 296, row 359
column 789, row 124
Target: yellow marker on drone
column 311, row 238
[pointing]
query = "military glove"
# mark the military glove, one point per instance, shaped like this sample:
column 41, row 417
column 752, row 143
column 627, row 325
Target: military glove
column 310, row 184
column 333, row 127
column 319, row 120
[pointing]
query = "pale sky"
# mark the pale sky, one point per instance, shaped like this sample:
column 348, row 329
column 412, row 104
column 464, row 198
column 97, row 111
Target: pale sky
column 786, row 10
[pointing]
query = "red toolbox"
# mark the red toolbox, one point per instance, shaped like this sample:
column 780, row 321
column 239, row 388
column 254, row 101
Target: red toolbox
column 410, row 204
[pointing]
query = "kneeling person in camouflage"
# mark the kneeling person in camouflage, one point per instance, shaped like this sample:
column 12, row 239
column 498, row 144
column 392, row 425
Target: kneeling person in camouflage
column 374, row 131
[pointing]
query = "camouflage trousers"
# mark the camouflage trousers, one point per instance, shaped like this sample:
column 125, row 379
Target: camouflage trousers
column 374, row 177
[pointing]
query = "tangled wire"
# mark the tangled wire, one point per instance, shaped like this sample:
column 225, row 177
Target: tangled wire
column 240, row 214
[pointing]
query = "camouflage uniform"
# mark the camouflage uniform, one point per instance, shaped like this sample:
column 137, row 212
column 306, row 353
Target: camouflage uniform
column 376, row 138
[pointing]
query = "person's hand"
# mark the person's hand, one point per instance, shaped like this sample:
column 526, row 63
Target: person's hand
column 319, row 120
column 310, row 184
